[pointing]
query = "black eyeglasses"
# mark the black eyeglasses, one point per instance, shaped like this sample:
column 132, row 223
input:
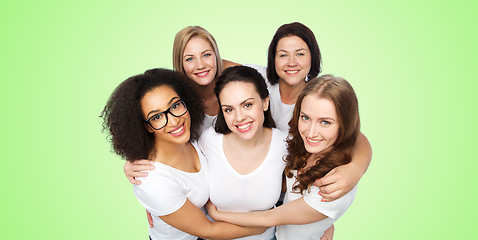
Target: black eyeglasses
column 159, row 120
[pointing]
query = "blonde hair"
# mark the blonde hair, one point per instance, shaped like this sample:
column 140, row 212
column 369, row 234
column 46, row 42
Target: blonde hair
column 183, row 37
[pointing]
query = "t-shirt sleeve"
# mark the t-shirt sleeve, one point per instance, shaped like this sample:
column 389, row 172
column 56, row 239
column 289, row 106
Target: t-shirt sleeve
column 333, row 209
column 160, row 193
column 261, row 69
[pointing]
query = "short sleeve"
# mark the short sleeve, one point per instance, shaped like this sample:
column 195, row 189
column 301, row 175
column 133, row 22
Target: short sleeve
column 261, row 69
column 333, row 209
column 160, row 193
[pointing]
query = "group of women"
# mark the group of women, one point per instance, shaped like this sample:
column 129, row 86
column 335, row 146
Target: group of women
column 297, row 133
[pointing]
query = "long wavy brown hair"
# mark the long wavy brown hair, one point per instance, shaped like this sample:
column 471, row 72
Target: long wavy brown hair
column 341, row 93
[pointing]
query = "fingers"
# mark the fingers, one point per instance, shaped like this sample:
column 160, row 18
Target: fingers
column 136, row 174
column 144, row 162
column 150, row 219
column 328, row 234
column 328, row 189
column 329, row 178
column 134, row 181
column 331, row 196
column 136, row 169
column 330, row 192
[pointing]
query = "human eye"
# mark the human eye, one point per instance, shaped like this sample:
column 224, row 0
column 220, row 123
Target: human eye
column 247, row 105
column 189, row 59
column 175, row 105
column 304, row 117
column 326, row 123
column 227, row 110
column 156, row 117
column 282, row 55
column 300, row 54
column 207, row 55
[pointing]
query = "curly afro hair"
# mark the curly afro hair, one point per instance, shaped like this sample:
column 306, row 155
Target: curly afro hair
column 122, row 115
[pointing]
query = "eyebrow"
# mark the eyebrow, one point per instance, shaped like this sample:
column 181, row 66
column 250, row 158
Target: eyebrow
column 322, row 118
column 224, row 105
column 157, row 111
column 297, row 50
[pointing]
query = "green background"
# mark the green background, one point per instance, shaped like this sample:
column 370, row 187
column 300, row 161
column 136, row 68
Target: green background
column 411, row 63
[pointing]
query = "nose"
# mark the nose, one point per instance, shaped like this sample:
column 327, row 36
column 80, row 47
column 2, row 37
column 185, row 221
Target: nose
column 314, row 130
column 172, row 120
column 240, row 116
column 292, row 61
column 200, row 64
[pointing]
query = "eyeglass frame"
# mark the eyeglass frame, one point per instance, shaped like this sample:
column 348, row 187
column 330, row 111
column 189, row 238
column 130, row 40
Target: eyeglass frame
column 166, row 114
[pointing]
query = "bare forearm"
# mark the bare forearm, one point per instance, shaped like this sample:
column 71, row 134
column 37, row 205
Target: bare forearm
column 362, row 154
column 223, row 230
column 250, row 219
column 295, row 212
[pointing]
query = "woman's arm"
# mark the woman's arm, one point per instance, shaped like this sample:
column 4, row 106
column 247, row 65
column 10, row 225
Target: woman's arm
column 328, row 234
column 295, row 212
column 136, row 169
column 191, row 220
column 227, row 63
column 340, row 180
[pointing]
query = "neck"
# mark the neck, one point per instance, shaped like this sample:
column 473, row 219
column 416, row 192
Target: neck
column 258, row 140
column 169, row 153
column 211, row 106
column 290, row 93
column 207, row 91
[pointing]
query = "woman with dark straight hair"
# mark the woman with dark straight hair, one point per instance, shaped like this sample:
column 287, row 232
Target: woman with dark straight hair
column 244, row 150
column 293, row 59
column 322, row 135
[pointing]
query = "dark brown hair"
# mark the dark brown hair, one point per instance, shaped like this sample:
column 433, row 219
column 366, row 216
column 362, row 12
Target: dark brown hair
column 247, row 75
column 299, row 30
column 123, row 118
column 341, row 93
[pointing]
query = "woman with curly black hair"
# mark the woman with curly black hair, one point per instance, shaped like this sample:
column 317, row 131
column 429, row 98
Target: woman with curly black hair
column 322, row 134
column 157, row 116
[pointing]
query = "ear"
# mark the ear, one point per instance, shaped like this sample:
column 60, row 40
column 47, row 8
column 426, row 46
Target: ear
column 266, row 103
column 148, row 128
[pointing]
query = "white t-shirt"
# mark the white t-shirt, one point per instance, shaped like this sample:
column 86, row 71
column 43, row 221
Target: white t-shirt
column 165, row 191
column 208, row 122
column 281, row 112
column 333, row 210
column 231, row 191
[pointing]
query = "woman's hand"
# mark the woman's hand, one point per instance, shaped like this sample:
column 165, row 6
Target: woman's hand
column 342, row 179
column 136, row 169
column 328, row 234
column 212, row 211
column 338, row 182
column 150, row 219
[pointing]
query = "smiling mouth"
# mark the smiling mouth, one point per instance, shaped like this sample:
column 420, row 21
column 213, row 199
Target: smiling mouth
column 178, row 131
column 313, row 142
column 292, row 71
column 202, row 74
column 244, row 127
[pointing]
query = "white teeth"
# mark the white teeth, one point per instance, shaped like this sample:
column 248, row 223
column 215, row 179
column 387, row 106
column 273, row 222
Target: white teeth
column 177, row 130
column 292, row 71
column 202, row 74
column 313, row 141
column 244, row 126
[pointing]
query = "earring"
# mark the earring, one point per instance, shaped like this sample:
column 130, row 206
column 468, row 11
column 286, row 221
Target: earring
column 307, row 78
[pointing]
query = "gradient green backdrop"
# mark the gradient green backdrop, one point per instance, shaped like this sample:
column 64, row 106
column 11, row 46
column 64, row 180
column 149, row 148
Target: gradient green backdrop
column 411, row 63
